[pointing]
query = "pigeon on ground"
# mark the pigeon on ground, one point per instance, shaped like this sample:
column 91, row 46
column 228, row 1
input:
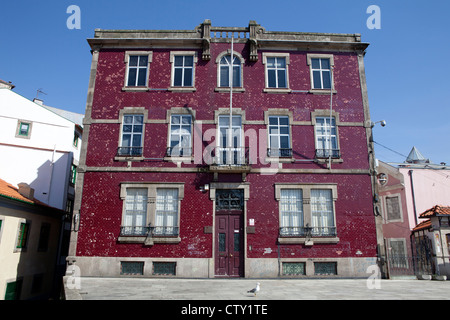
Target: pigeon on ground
column 254, row 290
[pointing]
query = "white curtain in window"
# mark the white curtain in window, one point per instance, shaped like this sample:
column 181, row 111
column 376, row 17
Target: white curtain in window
column 136, row 208
column 322, row 210
column 291, row 203
column 166, row 207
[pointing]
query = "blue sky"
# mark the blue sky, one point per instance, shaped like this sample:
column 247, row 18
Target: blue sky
column 408, row 75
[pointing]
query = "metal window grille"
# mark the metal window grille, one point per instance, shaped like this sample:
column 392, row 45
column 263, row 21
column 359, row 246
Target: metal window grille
column 131, row 268
column 325, row 268
column 294, row 269
column 164, row 268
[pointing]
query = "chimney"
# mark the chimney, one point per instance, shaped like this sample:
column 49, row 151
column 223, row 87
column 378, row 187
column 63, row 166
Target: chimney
column 38, row 101
column 26, row 191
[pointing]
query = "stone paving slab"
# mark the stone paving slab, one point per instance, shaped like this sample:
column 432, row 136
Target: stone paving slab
column 271, row 289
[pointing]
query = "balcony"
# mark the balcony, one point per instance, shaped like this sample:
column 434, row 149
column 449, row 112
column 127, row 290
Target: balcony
column 157, row 231
column 129, row 152
column 230, row 159
column 308, row 232
column 178, row 152
column 325, row 153
column 279, row 152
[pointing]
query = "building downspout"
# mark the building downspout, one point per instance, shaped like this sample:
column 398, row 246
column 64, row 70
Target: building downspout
column 410, row 173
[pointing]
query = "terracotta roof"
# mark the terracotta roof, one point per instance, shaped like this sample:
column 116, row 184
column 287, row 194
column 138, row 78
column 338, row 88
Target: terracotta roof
column 423, row 225
column 436, row 210
column 9, row 191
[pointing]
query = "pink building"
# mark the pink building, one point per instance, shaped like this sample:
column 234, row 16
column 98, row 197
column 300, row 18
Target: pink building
column 166, row 186
column 406, row 191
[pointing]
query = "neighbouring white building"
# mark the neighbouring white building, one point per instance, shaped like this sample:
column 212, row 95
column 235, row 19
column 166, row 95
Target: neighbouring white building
column 40, row 146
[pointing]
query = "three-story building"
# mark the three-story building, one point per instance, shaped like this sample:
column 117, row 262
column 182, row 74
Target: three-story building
column 225, row 152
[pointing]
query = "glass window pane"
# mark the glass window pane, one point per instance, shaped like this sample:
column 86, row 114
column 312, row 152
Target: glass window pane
column 315, row 63
column 326, row 79
column 325, row 63
column 133, row 61
column 317, row 80
column 284, row 130
column 281, row 63
column 188, row 77
column 136, row 140
column 273, row 120
column 138, row 119
column 142, row 77
column 175, row 119
column 236, row 76
column 270, row 62
column 189, row 61
column 284, row 142
column 178, row 61
column 137, row 128
column 177, row 81
column 224, row 76
column 132, row 73
column 282, row 79
column 284, row 121
column 271, row 77
column 143, row 60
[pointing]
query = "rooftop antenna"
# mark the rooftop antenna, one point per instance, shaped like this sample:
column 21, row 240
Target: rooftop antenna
column 39, row 91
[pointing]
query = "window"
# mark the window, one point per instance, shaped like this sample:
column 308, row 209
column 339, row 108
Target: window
column 23, row 129
column 180, row 136
column 164, row 268
column 393, row 208
column 225, row 63
column 325, row 268
column 132, row 131
column 151, row 212
column 326, row 138
column 279, row 138
column 13, row 290
column 322, row 213
column 229, row 150
column 131, row 268
column 276, row 71
column 294, row 268
column 166, row 222
column 135, row 222
column 137, row 69
column 291, row 210
column 183, row 71
column 307, row 213
column 321, row 66
column 22, row 238
column 397, row 253
column 44, row 237
column 321, row 72
column 76, row 137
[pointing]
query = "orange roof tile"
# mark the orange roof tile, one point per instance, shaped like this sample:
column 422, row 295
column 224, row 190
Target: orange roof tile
column 9, row 191
column 436, row 210
column 423, row 225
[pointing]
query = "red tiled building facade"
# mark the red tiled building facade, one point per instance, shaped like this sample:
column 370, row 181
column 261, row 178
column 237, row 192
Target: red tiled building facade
column 166, row 187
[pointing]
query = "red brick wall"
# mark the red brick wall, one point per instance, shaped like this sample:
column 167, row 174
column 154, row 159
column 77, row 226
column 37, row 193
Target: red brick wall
column 101, row 209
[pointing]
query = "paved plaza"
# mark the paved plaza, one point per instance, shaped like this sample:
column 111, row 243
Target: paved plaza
column 271, row 289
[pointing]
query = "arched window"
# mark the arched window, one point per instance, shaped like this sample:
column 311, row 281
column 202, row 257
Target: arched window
column 224, row 63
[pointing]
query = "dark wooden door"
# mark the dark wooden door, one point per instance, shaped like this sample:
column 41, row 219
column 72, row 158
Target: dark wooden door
column 229, row 253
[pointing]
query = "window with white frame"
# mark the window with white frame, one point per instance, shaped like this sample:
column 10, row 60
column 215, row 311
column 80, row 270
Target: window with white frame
column 166, row 221
column 151, row 211
column 224, row 71
column 135, row 219
column 291, row 212
column 132, row 133
column 322, row 212
column 326, row 138
column 307, row 212
column 180, row 135
column 321, row 66
column 23, row 129
column 183, row 71
column 279, row 137
column 137, row 69
column 276, row 72
column 229, row 150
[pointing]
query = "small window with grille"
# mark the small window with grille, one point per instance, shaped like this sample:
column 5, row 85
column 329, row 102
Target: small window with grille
column 132, row 268
column 164, row 268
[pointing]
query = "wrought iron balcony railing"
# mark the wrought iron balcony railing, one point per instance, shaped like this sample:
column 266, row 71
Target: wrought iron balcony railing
column 129, row 151
column 325, row 153
column 157, row 231
column 231, row 156
column 307, row 231
column 178, row 152
column 279, row 152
